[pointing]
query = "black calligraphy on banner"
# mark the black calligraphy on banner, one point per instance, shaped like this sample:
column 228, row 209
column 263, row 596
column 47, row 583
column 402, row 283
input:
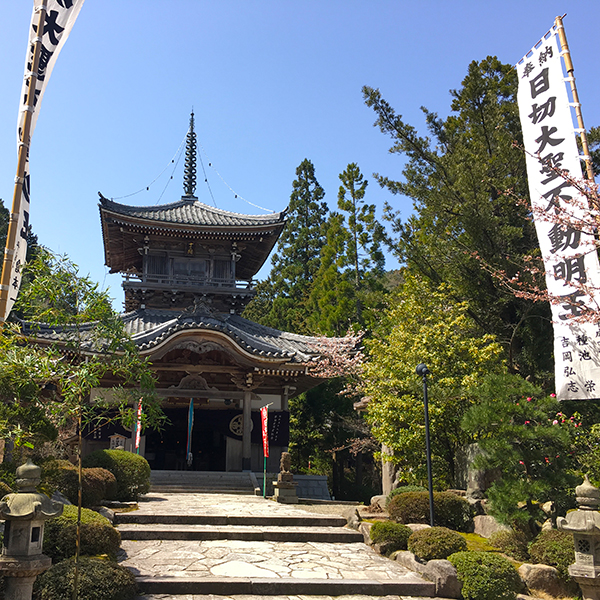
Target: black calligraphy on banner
column 571, row 264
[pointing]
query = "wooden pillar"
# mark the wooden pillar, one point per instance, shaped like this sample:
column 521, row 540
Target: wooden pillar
column 247, row 427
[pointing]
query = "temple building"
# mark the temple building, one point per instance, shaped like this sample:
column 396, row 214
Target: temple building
column 188, row 274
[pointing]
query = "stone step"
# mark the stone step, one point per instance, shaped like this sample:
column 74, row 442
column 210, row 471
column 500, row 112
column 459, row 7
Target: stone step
column 202, row 482
column 287, row 597
column 200, row 489
column 208, row 532
column 227, row 586
column 302, row 520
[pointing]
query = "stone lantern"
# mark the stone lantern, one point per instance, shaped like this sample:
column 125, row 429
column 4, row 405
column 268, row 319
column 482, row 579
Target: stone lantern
column 584, row 524
column 24, row 513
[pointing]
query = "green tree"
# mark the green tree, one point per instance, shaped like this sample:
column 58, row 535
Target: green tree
column 424, row 324
column 463, row 183
column 297, row 257
column 530, row 440
column 364, row 252
column 350, row 279
column 333, row 299
column 94, row 351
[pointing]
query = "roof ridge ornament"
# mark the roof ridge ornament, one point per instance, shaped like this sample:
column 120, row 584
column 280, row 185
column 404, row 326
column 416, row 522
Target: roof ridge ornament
column 189, row 177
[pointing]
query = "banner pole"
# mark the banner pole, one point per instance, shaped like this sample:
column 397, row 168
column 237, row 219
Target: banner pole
column 265, row 478
column 566, row 54
column 11, row 236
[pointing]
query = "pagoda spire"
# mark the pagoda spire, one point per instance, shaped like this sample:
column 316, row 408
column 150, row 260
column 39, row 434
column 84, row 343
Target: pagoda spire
column 189, row 177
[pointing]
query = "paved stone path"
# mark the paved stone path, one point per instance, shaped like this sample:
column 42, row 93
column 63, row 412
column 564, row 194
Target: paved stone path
column 248, row 597
column 235, row 559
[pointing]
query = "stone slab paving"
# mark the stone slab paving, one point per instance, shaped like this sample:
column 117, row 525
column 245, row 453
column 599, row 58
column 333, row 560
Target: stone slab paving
column 299, row 597
column 226, row 505
column 240, row 558
column 237, row 566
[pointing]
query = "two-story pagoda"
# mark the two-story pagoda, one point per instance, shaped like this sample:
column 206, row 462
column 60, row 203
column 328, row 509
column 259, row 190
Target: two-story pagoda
column 188, row 272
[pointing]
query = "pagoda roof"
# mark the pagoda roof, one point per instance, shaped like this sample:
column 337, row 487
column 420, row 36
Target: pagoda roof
column 189, row 211
column 151, row 328
column 190, row 220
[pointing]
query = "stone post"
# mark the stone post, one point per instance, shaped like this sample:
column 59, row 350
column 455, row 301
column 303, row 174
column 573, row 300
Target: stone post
column 24, row 513
column 584, row 524
column 285, row 486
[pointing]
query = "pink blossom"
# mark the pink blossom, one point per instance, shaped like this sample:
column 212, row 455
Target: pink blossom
column 529, row 399
column 555, row 422
column 527, row 422
column 521, row 462
column 552, row 395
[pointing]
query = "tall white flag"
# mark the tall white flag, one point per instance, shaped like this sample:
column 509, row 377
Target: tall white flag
column 60, row 17
column 570, row 256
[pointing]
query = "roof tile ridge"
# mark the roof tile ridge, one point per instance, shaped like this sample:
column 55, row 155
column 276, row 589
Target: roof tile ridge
column 222, row 211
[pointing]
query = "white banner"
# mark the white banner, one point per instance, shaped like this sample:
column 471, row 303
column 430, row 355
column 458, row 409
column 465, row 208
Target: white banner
column 60, row 17
column 570, row 257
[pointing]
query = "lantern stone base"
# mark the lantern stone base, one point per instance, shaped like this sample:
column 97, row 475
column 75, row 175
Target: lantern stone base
column 588, row 579
column 20, row 573
column 285, row 493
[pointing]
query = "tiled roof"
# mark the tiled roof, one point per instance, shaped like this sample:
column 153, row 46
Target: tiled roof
column 150, row 327
column 189, row 211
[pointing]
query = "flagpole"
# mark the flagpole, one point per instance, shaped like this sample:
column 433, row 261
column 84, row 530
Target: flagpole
column 11, row 236
column 565, row 53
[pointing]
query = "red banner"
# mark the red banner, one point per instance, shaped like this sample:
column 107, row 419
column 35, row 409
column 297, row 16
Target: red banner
column 138, row 427
column 264, row 421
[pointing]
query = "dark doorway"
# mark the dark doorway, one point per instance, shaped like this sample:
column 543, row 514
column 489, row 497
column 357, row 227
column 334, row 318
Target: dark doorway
column 166, row 450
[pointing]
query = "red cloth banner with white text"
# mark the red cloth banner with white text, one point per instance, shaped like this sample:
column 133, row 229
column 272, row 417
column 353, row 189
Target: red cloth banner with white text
column 60, row 17
column 570, row 257
column 264, row 421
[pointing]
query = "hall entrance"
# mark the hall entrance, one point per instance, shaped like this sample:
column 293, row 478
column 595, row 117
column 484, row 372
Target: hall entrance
column 166, row 449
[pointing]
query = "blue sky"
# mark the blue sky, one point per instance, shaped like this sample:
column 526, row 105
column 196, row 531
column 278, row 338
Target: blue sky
column 271, row 83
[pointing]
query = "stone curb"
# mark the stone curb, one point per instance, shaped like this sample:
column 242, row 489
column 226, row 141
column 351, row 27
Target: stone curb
column 223, row 520
column 271, row 587
column 305, row 534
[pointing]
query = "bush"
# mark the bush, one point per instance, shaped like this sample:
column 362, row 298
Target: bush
column 97, row 484
column 4, row 489
column 402, row 490
column 486, row 576
column 450, row 510
column 393, row 535
column 98, row 536
column 436, row 542
column 98, row 580
column 554, row 548
column 131, row 471
column 512, row 543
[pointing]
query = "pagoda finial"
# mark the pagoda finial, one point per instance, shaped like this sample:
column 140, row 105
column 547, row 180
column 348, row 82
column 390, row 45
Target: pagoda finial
column 189, row 177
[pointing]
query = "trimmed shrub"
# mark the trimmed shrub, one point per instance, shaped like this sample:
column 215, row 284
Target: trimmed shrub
column 4, row 489
column 393, row 535
column 486, row 576
column 98, row 580
column 450, row 510
column 97, row 484
column 402, row 490
column 554, row 548
column 436, row 542
column 512, row 543
column 98, row 536
column 131, row 471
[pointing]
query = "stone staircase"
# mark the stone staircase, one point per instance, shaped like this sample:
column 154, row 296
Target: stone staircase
column 228, row 545
column 203, row 481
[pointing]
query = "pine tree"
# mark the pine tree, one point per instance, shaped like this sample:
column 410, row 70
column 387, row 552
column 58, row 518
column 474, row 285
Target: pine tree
column 463, row 183
column 364, row 249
